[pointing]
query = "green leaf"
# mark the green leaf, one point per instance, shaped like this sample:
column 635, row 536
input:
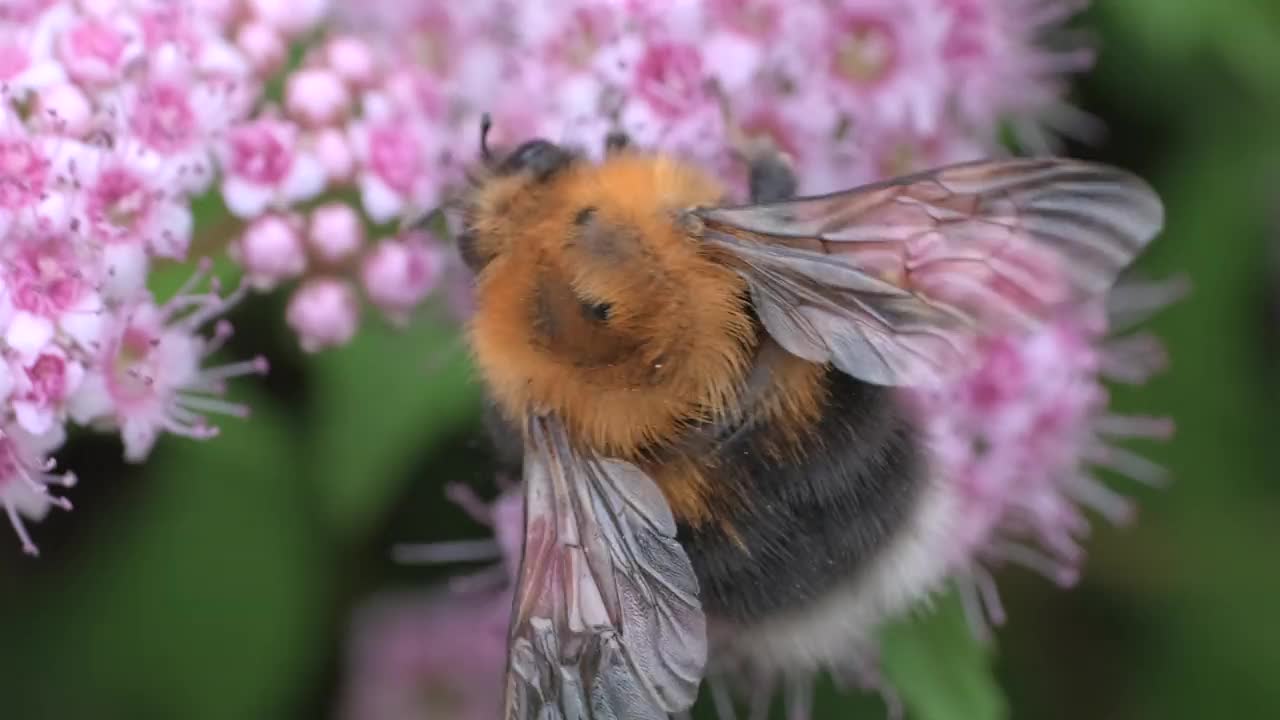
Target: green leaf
column 203, row 596
column 939, row 669
column 379, row 404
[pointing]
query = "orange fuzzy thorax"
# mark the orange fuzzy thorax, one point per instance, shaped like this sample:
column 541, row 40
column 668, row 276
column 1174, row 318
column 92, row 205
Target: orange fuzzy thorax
column 676, row 343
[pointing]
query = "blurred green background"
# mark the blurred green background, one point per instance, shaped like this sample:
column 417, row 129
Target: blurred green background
column 216, row 581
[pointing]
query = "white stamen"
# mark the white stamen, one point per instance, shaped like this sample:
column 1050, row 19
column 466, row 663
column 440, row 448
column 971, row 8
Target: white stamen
column 1093, row 493
column 28, row 547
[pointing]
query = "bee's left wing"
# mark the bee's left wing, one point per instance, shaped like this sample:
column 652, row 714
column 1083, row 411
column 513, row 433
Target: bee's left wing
column 890, row 282
column 606, row 624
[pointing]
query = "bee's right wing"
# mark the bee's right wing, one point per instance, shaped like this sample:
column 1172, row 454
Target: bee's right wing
column 606, row 624
column 890, row 282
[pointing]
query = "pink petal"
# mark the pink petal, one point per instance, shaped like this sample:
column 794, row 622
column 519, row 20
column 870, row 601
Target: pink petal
column 245, row 199
column 28, row 334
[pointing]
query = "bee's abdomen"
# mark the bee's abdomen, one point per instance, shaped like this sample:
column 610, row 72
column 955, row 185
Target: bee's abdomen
column 800, row 527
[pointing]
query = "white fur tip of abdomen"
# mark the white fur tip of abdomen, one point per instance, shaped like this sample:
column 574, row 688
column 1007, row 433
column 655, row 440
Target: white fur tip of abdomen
column 838, row 628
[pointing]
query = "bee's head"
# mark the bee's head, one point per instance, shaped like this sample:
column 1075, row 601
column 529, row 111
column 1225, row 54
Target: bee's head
column 594, row 300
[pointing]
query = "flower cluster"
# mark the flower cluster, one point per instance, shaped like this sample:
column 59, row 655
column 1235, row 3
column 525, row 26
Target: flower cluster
column 323, row 158
column 386, row 107
column 1018, row 439
column 854, row 89
column 108, row 116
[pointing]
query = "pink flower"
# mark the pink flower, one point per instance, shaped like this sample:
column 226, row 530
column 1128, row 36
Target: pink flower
column 399, row 274
column 440, row 653
column 669, row 78
column 172, row 118
column 431, row 655
column 265, row 167
column 96, row 51
column 1001, row 70
column 146, row 375
column 885, row 63
column 24, row 171
column 41, row 387
column 324, row 312
column 667, row 98
column 124, row 207
column 27, row 60
column 752, row 18
column 182, row 26
column 25, row 477
column 220, row 13
column 397, row 171
column 50, row 282
column 24, row 10
column 569, row 33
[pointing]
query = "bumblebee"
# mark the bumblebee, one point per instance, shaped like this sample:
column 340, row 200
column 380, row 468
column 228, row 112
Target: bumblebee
column 701, row 395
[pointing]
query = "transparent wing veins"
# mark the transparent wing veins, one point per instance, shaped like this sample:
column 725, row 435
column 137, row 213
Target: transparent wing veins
column 607, row 622
column 890, row 282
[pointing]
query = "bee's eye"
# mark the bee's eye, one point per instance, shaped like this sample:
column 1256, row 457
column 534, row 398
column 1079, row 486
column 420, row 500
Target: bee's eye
column 539, row 157
column 599, row 312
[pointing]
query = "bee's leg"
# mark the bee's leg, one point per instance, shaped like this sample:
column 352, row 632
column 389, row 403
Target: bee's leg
column 615, row 141
column 508, row 443
column 863, row 674
column 771, row 175
column 799, row 697
column 721, row 699
column 761, row 698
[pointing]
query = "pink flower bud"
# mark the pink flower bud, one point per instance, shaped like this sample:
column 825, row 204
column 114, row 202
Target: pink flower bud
column 262, row 45
column 220, row 12
column 333, row 150
column 353, row 59
column 271, row 250
column 290, row 17
column 336, row 232
column 316, row 96
column 324, row 312
column 399, row 274
column 64, row 110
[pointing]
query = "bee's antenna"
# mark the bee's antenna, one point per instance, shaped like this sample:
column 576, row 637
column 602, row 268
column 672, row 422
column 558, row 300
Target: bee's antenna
column 486, row 124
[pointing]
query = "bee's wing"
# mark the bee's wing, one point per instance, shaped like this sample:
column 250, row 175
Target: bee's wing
column 607, row 623
column 890, row 281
